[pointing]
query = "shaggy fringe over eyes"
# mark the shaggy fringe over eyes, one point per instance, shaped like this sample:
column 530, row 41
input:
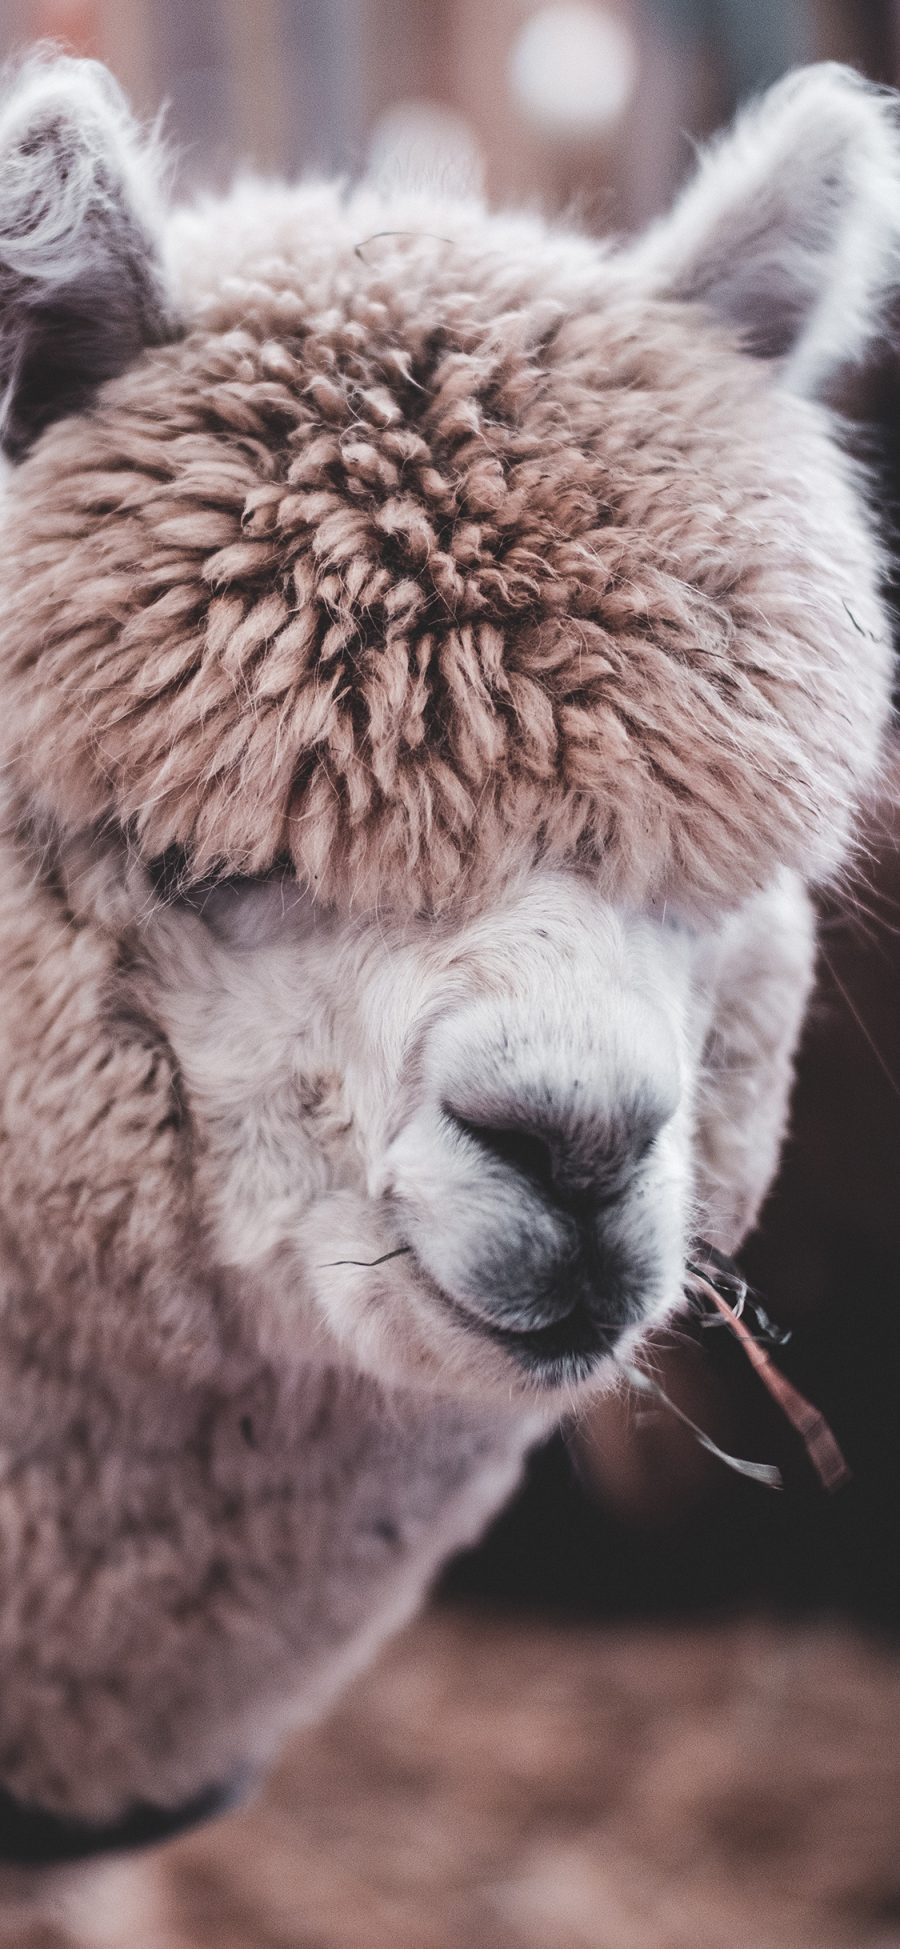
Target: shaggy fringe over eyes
column 422, row 566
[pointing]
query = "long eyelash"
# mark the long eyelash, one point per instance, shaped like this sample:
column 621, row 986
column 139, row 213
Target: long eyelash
column 172, row 878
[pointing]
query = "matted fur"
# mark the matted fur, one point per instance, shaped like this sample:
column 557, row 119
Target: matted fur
column 425, row 557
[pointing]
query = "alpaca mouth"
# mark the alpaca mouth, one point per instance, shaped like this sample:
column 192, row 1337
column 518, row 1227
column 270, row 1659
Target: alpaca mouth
column 567, row 1351
column 563, row 1352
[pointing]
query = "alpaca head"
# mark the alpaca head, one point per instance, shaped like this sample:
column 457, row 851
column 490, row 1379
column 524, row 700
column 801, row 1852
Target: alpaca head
column 437, row 655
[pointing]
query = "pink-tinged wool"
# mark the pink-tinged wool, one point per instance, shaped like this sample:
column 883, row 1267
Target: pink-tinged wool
column 426, row 557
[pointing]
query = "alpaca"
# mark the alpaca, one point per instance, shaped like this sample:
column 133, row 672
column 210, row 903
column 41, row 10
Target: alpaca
column 439, row 658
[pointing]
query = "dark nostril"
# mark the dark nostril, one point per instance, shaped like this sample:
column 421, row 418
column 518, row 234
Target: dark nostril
column 520, row 1149
column 580, row 1172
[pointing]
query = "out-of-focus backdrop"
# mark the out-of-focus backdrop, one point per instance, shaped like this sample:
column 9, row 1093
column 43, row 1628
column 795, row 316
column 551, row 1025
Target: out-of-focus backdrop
column 660, row 1707
column 569, row 102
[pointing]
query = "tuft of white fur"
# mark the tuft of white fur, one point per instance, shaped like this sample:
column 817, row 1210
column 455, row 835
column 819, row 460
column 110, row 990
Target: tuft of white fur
column 81, row 229
column 70, row 150
column 790, row 228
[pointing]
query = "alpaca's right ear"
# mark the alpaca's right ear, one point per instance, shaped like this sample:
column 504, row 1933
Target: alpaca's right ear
column 789, row 229
column 82, row 288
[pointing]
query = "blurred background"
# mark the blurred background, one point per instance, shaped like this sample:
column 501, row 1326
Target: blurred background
column 659, row 1707
column 594, row 105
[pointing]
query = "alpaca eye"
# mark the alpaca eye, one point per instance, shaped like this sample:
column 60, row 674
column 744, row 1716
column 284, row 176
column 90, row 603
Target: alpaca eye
column 246, row 912
column 242, row 910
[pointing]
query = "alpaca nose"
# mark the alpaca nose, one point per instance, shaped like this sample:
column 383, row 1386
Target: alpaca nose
column 567, row 1275
column 576, row 1164
column 540, row 1173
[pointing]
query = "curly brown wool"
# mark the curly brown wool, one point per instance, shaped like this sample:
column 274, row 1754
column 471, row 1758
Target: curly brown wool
column 431, row 560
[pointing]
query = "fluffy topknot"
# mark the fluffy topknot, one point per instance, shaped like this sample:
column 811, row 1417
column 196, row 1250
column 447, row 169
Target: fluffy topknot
column 422, row 558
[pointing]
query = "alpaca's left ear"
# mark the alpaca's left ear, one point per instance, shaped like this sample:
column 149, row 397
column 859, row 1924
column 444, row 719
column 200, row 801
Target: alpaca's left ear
column 81, row 282
column 790, row 228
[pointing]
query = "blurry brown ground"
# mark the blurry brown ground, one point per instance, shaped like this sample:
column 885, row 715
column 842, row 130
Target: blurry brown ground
column 500, row 1785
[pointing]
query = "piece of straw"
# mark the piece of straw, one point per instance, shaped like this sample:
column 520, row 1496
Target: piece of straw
column 764, row 1472
column 810, row 1423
